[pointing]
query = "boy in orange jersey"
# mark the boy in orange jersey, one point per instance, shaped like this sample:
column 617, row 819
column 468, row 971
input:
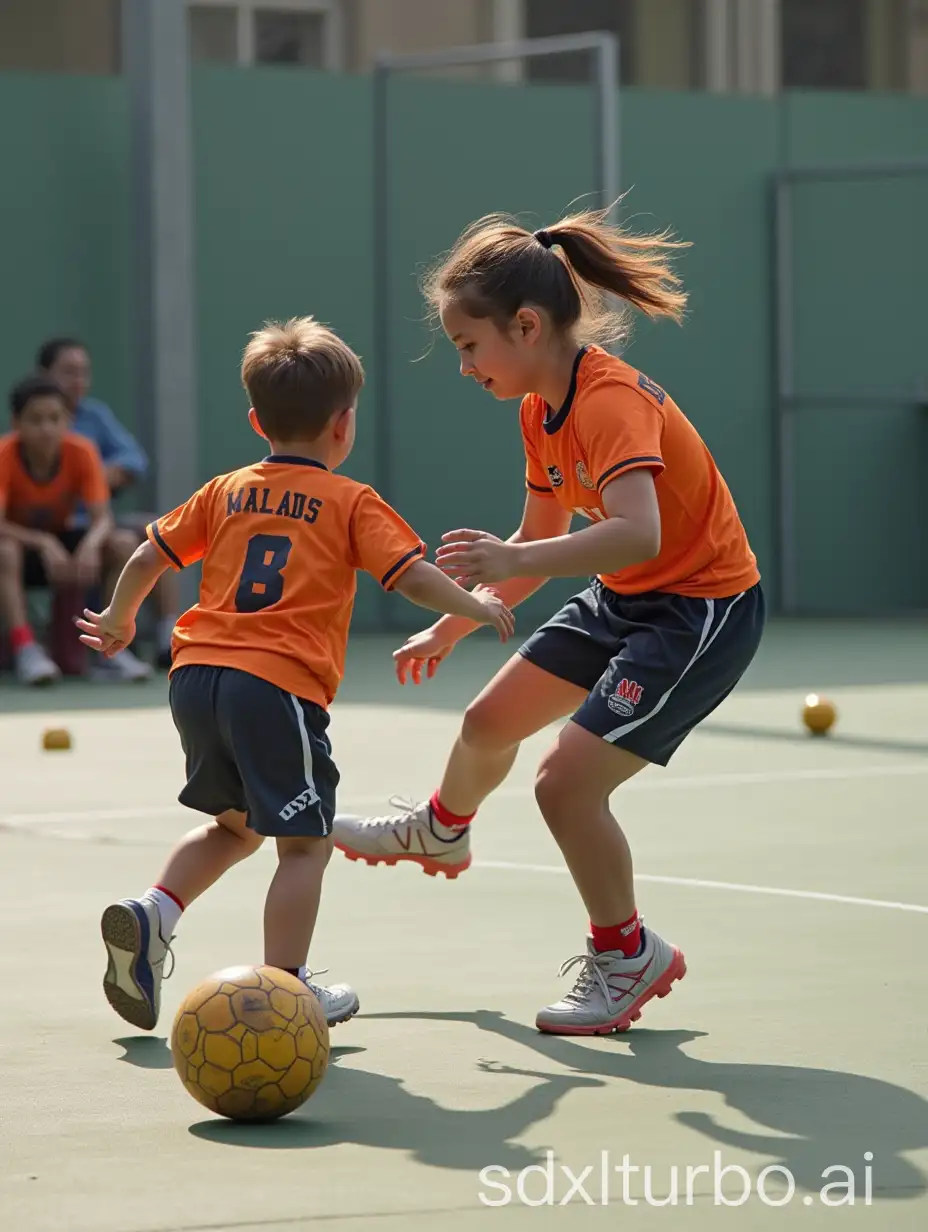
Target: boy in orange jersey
column 46, row 471
column 258, row 659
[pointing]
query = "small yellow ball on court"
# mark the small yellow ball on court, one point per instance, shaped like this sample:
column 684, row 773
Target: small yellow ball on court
column 251, row 1043
column 818, row 714
column 56, row 738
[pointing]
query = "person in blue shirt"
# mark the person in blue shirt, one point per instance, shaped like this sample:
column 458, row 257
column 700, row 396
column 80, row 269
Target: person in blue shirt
column 67, row 361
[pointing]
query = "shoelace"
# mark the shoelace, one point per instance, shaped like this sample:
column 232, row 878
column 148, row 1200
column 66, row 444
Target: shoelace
column 319, row 989
column 590, row 976
column 407, row 808
column 168, row 953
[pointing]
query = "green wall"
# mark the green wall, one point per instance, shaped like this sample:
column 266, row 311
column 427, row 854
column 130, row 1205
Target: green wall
column 284, row 225
column 65, row 243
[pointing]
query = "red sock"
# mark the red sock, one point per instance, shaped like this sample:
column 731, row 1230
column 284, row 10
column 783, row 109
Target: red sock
column 451, row 820
column 171, row 896
column 625, row 937
column 21, row 636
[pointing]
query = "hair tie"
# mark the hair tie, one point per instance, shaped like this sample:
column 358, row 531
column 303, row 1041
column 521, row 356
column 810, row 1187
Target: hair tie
column 543, row 238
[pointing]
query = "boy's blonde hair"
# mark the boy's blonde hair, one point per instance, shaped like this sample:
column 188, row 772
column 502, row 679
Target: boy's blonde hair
column 298, row 374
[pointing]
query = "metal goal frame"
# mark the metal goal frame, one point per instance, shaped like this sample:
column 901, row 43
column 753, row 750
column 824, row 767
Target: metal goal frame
column 603, row 47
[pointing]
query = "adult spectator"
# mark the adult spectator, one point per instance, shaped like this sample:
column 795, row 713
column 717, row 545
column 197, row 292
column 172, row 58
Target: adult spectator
column 67, row 361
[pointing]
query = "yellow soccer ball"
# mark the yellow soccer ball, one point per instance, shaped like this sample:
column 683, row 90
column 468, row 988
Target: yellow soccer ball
column 251, row 1043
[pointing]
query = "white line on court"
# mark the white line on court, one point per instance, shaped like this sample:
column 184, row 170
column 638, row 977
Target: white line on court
column 648, row 782
column 700, row 884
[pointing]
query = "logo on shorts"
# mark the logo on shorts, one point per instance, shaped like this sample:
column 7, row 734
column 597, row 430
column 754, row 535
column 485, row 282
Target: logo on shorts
column 303, row 801
column 584, row 476
column 557, row 479
column 625, row 698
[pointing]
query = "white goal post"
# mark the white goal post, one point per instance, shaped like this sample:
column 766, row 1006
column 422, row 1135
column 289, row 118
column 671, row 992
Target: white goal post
column 603, row 49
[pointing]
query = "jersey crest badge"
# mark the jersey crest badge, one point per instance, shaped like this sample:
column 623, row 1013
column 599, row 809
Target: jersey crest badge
column 650, row 387
column 557, row 479
column 584, row 476
column 625, row 698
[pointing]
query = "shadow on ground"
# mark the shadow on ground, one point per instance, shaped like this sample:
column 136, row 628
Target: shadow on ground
column 377, row 1110
column 806, row 1119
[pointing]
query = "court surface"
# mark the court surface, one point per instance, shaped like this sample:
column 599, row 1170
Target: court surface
column 791, row 870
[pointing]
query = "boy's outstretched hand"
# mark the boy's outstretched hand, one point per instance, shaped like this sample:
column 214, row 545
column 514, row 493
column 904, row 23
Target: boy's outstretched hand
column 425, row 649
column 496, row 613
column 102, row 633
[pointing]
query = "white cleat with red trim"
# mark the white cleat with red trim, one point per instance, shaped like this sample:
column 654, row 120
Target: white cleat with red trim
column 414, row 836
column 611, row 990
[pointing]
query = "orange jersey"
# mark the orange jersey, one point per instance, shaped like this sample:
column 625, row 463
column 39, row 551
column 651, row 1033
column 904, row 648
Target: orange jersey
column 48, row 505
column 280, row 543
column 614, row 420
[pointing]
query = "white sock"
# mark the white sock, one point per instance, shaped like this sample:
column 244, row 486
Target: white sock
column 169, row 911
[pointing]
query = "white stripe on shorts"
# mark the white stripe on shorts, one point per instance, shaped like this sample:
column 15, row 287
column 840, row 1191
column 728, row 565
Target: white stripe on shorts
column 307, row 754
column 705, row 641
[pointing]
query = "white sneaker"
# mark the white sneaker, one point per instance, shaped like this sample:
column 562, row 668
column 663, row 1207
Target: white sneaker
column 34, row 666
column 132, row 984
column 611, row 989
column 413, row 835
column 339, row 1002
column 124, row 665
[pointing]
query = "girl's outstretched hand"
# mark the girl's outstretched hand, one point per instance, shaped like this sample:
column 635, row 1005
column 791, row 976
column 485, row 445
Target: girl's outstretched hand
column 476, row 556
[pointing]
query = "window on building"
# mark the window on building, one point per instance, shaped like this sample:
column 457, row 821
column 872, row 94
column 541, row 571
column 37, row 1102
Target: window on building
column 290, row 38
column 824, row 44
column 544, row 18
column 281, row 32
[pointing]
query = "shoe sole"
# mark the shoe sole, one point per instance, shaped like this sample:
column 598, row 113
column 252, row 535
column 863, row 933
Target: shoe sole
column 431, row 868
column 123, row 940
column 661, row 988
column 346, row 1016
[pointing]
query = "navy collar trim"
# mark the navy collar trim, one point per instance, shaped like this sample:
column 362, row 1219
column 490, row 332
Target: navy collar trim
column 555, row 420
column 295, row 460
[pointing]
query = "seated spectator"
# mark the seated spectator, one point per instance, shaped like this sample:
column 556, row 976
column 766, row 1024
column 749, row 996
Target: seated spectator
column 45, row 472
column 67, row 362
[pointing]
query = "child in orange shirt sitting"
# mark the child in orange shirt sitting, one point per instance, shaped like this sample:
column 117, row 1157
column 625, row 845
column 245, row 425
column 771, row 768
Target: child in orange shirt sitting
column 46, row 472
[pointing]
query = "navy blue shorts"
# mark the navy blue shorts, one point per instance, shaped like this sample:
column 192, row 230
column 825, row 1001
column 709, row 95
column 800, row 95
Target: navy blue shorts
column 654, row 665
column 253, row 747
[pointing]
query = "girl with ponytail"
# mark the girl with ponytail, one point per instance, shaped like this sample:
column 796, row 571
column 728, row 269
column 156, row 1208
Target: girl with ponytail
column 673, row 612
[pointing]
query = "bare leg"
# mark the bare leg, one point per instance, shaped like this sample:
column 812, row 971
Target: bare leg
column 575, row 781
column 204, row 854
column 520, row 700
column 12, row 596
column 293, row 900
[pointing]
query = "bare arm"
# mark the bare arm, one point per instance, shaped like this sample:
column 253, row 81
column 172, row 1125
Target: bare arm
column 630, row 534
column 136, row 582
column 113, row 629
column 35, row 539
column 101, row 523
column 426, row 586
column 542, row 518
